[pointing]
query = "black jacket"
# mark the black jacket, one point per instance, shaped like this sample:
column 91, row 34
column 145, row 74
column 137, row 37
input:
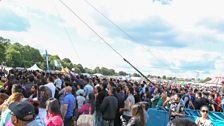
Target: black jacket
column 109, row 107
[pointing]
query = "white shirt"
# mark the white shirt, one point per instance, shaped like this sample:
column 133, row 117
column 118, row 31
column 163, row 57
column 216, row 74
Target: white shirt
column 129, row 101
column 58, row 83
column 52, row 87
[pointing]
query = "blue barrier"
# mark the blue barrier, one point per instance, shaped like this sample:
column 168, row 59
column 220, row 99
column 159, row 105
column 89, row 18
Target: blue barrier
column 158, row 117
column 217, row 118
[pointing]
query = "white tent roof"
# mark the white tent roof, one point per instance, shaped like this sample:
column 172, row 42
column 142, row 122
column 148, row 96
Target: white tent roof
column 216, row 80
column 34, row 67
column 98, row 74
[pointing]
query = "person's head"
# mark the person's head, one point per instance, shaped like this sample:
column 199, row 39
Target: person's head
column 98, row 89
column 184, row 91
column 31, row 78
column 15, row 97
column 44, row 93
column 79, row 86
column 177, row 97
column 129, row 89
column 204, row 111
column 16, row 88
column 182, row 122
column 21, row 113
column 50, row 79
column 211, row 97
column 174, row 91
column 112, row 90
column 34, row 89
column 204, row 95
column 198, row 95
column 136, row 91
column 68, row 89
column 3, row 97
column 86, row 80
column 91, row 97
column 53, row 106
column 138, row 111
column 164, row 95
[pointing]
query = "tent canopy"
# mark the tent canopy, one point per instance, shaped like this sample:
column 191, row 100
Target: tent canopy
column 65, row 70
column 34, row 67
column 216, row 80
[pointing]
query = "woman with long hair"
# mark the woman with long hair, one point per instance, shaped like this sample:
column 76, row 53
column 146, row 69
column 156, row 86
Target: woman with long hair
column 44, row 93
column 203, row 120
column 54, row 117
column 138, row 117
column 88, row 107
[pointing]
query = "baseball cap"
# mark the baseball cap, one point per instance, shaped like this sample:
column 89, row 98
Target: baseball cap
column 22, row 109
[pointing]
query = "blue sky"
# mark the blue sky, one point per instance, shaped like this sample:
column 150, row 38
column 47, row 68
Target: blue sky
column 173, row 38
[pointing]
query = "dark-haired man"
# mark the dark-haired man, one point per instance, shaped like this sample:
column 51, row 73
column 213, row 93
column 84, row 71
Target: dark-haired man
column 177, row 107
column 109, row 107
column 23, row 114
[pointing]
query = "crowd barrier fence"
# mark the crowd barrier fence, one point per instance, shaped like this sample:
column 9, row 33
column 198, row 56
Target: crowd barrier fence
column 158, row 117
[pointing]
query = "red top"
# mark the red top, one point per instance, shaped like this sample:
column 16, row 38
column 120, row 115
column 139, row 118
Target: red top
column 54, row 120
column 218, row 101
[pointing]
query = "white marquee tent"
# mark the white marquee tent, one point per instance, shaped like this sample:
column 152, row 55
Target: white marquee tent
column 217, row 81
column 34, row 67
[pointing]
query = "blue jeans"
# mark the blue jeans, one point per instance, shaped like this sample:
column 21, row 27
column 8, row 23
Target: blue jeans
column 108, row 122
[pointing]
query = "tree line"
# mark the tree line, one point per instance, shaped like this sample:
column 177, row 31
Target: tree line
column 18, row 55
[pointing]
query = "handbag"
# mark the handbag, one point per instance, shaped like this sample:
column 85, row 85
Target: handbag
column 86, row 119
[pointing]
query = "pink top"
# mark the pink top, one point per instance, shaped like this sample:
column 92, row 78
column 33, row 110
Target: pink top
column 54, row 120
column 85, row 108
column 9, row 123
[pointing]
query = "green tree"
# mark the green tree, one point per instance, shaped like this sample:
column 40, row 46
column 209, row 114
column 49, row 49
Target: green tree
column 136, row 75
column 13, row 57
column 2, row 53
column 89, row 71
column 122, row 73
column 66, row 62
column 97, row 70
column 3, row 46
column 79, row 68
column 206, row 79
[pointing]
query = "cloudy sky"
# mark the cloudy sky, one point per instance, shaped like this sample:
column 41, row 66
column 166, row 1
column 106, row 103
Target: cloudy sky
column 175, row 38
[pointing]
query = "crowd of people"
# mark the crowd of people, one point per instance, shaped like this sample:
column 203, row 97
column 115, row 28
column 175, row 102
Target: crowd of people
column 34, row 98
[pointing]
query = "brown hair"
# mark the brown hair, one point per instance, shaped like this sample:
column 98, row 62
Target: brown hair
column 138, row 111
column 15, row 97
column 3, row 97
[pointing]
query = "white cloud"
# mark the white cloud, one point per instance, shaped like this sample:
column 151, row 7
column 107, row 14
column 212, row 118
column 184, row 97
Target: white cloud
column 47, row 32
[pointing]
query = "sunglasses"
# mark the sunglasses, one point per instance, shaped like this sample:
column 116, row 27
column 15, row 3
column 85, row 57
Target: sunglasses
column 204, row 111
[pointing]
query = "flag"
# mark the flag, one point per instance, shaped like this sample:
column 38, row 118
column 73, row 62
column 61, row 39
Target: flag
column 47, row 61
